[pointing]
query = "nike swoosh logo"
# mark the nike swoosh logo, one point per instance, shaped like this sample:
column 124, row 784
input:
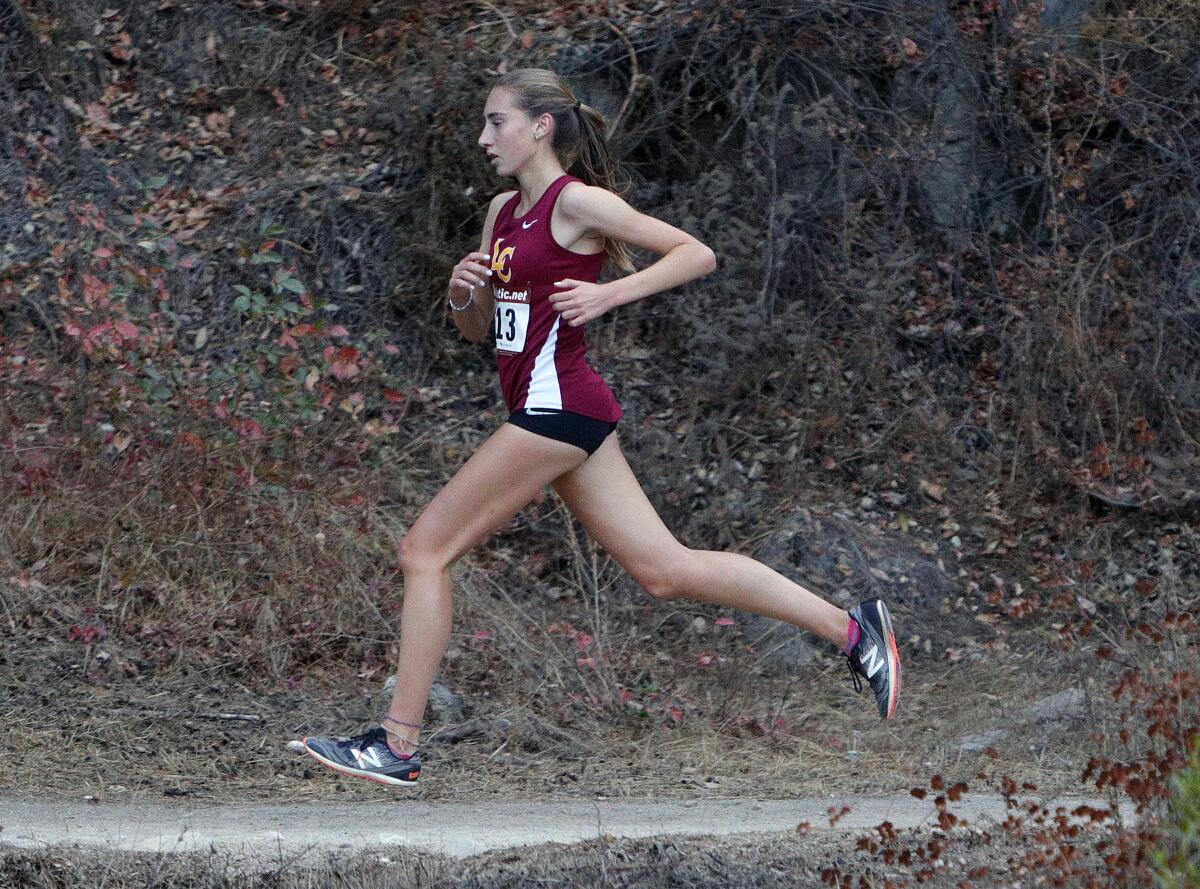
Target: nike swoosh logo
column 528, row 224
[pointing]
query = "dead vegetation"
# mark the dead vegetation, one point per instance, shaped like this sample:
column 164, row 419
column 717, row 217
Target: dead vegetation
column 956, row 311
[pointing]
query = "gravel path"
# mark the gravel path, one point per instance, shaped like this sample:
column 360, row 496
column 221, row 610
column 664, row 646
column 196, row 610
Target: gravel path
column 456, row 829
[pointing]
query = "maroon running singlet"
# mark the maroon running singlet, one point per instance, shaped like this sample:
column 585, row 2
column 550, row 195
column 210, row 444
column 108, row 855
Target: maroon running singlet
column 542, row 360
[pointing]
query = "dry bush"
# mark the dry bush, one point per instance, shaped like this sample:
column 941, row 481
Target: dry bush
column 1137, row 658
column 945, row 253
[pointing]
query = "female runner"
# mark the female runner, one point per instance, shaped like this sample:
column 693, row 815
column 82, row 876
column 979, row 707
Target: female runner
column 533, row 286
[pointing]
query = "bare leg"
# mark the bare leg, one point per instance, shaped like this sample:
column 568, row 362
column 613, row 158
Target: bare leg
column 493, row 485
column 606, row 497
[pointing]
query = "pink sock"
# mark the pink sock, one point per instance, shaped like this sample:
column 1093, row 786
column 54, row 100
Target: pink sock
column 853, row 634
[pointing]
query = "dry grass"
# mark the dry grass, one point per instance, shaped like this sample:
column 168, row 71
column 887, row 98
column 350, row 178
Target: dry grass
column 149, row 588
column 173, row 728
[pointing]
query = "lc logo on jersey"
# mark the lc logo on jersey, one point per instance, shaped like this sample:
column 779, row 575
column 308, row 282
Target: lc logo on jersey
column 500, row 261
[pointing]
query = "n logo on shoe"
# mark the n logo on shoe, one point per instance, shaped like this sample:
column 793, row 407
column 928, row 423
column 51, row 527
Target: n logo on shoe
column 873, row 663
column 368, row 757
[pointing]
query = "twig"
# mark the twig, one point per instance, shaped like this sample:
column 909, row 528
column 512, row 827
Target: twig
column 633, row 79
column 184, row 714
column 472, row 728
column 507, row 21
column 44, row 318
column 772, row 265
column 12, row 624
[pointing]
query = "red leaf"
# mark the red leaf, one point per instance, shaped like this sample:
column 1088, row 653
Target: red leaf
column 126, row 330
column 394, row 396
column 346, row 353
column 250, row 429
column 86, row 635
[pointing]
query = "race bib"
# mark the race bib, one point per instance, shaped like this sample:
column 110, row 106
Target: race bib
column 511, row 325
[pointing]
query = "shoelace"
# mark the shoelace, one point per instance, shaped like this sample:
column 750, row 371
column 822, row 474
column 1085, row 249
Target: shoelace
column 858, row 686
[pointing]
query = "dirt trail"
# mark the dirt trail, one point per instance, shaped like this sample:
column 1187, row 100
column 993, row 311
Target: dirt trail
column 459, row 830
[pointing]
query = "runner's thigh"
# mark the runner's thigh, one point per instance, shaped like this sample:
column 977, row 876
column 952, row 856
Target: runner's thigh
column 500, row 478
column 606, row 497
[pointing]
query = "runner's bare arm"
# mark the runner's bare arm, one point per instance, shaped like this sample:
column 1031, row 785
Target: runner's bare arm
column 475, row 321
column 597, row 211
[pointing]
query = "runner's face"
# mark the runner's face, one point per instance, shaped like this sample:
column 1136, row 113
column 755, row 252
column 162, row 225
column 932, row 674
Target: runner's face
column 508, row 132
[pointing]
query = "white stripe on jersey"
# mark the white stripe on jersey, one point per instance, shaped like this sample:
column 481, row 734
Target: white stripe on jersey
column 544, row 390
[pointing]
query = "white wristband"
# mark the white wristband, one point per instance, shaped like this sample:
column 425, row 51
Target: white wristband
column 466, row 305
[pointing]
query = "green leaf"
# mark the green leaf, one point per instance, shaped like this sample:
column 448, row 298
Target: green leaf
column 242, row 303
column 292, row 284
column 243, row 290
column 156, row 182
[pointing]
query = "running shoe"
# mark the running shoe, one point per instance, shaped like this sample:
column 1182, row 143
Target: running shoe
column 876, row 657
column 365, row 756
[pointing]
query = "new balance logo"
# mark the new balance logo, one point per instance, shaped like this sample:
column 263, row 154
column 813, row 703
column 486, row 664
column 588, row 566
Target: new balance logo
column 368, row 757
column 872, row 663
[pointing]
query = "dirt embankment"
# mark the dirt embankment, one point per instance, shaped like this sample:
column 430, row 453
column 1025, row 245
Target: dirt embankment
column 949, row 358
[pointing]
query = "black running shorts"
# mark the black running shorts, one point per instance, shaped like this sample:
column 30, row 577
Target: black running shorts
column 575, row 429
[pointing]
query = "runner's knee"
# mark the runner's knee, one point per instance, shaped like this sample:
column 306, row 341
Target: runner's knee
column 668, row 576
column 418, row 557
